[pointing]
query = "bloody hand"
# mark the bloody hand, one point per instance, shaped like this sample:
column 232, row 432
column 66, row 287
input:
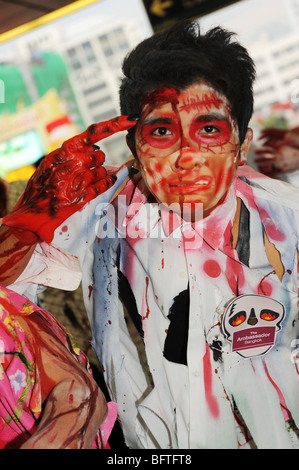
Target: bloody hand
column 65, row 181
column 279, row 151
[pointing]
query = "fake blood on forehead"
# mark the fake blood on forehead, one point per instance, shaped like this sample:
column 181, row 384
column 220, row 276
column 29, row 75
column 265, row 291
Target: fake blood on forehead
column 206, row 102
column 171, row 95
column 161, row 95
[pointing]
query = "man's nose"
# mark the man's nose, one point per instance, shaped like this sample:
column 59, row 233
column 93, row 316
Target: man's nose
column 189, row 158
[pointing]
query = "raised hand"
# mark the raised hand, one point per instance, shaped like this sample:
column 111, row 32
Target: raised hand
column 65, row 181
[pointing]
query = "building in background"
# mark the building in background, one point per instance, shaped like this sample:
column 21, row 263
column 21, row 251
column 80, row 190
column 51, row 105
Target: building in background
column 276, row 55
column 94, row 62
column 79, row 57
column 269, row 29
column 16, row 93
column 93, row 59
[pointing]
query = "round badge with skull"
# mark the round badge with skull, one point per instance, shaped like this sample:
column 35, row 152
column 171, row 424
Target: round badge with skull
column 250, row 323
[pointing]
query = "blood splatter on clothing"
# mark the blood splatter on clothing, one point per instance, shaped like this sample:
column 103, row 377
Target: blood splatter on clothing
column 203, row 394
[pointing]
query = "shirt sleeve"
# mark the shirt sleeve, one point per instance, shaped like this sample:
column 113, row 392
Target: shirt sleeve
column 60, row 264
column 52, row 267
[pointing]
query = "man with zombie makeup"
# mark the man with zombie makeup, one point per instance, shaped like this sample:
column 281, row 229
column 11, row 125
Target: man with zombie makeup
column 189, row 259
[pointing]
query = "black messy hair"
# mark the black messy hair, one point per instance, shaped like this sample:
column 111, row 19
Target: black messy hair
column 180, row 56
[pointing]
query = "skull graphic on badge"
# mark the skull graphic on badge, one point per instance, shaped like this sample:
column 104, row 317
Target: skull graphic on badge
column 250, row 323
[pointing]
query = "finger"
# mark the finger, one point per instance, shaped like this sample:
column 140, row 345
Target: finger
column 266, row 152
column 100, row 187
column 273, row 132
column 99, row 131
column 271, row 141
column 264, row 160
column 90, row 159
column 91, row 177
column 98, row 173
column 79, row 188
column 267, row 169
column 292, row 138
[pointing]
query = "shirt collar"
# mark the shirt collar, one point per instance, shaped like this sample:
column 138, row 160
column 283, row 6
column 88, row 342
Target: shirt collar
column 211, row 228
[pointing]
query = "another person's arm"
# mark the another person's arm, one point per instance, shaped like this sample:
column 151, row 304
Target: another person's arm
column 16, row 248
column 73, row 405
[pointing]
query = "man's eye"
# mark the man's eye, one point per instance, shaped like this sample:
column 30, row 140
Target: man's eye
column 209, row 129
column 161, row 131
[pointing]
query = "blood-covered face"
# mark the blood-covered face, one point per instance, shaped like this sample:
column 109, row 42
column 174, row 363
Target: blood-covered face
column 187, row 146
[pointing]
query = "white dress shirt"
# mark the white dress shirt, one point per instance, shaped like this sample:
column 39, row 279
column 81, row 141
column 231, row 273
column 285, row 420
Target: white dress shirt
column 156, row 289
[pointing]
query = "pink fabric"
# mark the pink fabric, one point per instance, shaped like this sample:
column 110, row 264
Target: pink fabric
column 20, row 388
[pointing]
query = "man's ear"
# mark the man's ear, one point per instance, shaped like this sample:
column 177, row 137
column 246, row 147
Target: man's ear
column 245, row 147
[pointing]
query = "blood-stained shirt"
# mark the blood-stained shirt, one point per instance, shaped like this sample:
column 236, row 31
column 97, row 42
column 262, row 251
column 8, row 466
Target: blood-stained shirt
column 195, row 325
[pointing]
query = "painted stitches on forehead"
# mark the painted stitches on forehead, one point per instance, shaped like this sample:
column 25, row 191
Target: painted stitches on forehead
column 206, row 102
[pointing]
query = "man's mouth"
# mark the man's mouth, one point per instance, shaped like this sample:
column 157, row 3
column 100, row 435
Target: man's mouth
column 202, row 183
